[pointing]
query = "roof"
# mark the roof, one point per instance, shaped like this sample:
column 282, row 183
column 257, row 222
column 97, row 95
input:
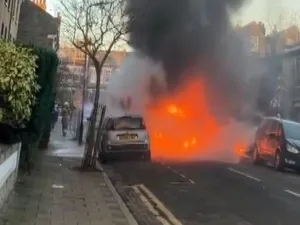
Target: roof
column 114, row 59
column 283, row 120
column 292, row 49
column 136, row 116
column 35, row 25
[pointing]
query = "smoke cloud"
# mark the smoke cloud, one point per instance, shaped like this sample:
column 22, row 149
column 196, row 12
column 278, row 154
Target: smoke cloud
column 192, row 38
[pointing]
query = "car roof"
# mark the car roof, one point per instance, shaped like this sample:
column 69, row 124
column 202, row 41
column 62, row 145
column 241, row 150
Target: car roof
column 282, row 120
column 126, row 116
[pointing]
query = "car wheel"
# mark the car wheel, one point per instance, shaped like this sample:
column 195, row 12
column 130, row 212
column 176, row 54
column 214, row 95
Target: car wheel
column 102, row 159
column 278, row 161
column 255, row 155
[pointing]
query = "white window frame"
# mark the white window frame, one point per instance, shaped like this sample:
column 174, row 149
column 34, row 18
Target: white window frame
column 254, row 43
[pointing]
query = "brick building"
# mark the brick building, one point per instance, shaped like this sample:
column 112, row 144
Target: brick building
column 253, row 35
column 37, row 26
column 290, row 82
column 40, row 3
column 71, row 71
column 9, row 19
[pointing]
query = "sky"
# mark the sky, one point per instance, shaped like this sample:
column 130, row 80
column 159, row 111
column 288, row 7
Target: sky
column 264, row 10
column 258, row 10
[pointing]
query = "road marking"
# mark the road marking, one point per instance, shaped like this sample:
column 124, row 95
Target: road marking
column 183, row 176
column 243, row 174
column 293, row 193
column 155, row 206
column 174, row 171
column 190, row 181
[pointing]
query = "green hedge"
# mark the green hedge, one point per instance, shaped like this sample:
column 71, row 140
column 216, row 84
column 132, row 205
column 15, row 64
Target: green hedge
column 39, row 128
column 18, row 84
column 35, row 132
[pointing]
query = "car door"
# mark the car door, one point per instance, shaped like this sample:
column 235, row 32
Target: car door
column 260, row 136
column 272, row 139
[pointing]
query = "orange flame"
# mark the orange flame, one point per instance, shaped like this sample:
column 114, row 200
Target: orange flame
column 181, row 124
column 182, row 128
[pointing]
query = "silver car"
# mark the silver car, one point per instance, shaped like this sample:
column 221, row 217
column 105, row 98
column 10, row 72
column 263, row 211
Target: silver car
column 122, row 136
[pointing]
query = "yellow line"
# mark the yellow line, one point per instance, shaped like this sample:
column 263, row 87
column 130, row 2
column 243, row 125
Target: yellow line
column 161, row 206
column 149, row 206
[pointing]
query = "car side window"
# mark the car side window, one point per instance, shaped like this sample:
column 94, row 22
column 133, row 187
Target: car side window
column 274, row 127
column 279, row 130
column 108, row 124
column 268, row 127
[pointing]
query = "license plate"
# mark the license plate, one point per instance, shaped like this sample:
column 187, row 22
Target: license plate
column 128, row 137
column 124, row 138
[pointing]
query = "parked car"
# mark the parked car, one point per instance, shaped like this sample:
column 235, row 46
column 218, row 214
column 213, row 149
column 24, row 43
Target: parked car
column 277, row 141
column 124, row 136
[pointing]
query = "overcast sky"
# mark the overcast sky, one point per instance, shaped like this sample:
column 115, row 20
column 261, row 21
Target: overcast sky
column 259, row 10
column 262, row 10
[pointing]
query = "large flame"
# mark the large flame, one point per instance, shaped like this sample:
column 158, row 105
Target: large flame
column 182, row 127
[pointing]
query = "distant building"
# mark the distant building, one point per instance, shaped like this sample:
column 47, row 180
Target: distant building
column 253, row 35
column 290, row 36
column 40, row 3
column 72, row 69
column 290, row 82
column 74, row 58
column 38, row 27
column 9, row 19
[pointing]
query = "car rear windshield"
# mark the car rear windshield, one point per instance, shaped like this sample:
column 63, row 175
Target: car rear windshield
column 125, row 123
column 292, row 130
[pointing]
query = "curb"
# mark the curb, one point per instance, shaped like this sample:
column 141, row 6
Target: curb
column 131, row 220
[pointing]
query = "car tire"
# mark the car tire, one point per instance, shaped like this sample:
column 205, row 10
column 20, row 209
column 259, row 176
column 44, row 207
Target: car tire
column 102, row 159
column 278, row 161
column 255, row 155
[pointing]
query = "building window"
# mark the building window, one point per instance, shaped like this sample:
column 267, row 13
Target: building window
column 13, row 8
column 2, row 29
column 17, row 10
column 106, row 74
column 5, row 33
column 254, row 44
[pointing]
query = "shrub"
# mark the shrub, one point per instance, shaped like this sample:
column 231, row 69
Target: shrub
column 37, row 131
column 17, row 83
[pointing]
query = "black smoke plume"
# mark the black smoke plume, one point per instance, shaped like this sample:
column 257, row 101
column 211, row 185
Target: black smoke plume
column 192, row 37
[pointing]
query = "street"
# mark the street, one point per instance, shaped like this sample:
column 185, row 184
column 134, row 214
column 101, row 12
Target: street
column 213, row 193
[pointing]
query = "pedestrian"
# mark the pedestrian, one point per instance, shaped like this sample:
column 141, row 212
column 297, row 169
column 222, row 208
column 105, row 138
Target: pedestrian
column 65, row 118
column 55, row 113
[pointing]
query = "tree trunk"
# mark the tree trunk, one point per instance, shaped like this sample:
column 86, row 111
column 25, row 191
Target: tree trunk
column 88, row 157
column 90, row 140
column 98, row 135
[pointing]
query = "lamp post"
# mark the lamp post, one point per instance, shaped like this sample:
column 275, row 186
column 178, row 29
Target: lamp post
column 86, row 67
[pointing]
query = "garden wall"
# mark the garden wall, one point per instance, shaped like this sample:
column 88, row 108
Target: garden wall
column 9, row 163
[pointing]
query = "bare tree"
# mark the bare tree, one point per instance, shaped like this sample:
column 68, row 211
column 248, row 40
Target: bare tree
column 93, row 26
column 283, row 21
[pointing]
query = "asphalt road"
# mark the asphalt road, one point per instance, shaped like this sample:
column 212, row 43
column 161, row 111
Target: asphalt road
column 210, row 193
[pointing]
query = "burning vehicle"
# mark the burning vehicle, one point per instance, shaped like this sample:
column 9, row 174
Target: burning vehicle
column 185, row 77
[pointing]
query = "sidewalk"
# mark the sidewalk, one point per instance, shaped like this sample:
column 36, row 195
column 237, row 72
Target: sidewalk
column 58, row 194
